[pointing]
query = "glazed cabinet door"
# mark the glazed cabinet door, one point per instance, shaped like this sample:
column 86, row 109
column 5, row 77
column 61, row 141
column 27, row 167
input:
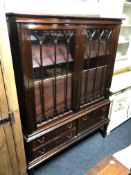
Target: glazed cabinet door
column 52, row 60
column 95, row 69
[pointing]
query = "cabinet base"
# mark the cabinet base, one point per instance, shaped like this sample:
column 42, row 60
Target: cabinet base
column 62, row 147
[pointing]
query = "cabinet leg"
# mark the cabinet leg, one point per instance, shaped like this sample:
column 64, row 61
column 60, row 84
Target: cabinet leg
column 103, row 130
column 31, row 171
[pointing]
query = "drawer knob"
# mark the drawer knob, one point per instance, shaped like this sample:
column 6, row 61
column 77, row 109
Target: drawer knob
column 70, row 125
column 104, row 109
column 69, row 136
column 41, row 140
column 84, row 118
column 42, row 151
column 102, row 116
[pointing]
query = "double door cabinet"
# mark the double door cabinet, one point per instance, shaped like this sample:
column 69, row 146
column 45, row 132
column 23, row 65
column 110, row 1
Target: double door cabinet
column 63, row 68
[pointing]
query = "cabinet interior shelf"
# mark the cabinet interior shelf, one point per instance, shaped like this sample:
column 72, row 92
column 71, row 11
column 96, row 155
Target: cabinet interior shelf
column 121, row 57
column 122, row 41
column 127, row 3
column 126, row 25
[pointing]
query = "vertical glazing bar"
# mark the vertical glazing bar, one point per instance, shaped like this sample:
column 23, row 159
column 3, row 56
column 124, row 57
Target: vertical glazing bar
column 104, row 67
column 106, row 46
column 102, row 78
column 95, row 73
column 107, row 41
column 86, row 83
column 87, row 72
column 55, row 82
column 42, row 80
column 67, row 71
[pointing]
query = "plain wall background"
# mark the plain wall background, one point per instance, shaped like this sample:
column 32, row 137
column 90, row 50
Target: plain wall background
column 67, row 7
column 107, row 8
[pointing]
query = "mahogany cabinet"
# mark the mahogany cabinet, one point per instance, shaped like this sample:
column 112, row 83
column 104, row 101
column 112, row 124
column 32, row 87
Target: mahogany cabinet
column 63, row 69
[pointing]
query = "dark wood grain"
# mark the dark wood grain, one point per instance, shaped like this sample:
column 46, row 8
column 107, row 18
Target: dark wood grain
column 62, row 85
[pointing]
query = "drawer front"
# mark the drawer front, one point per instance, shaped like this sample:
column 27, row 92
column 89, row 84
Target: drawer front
column 53, row 134
column 44, row 149
column 91, row 119
column 55, row 143
column 66, row 137
column 66, row 127
column 43, row 139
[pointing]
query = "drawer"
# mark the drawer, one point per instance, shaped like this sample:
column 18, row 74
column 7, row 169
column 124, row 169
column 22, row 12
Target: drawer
column 43, row 139
column 53, row 134
column 44, row 149
column 66, row 137
column 55, row 143
column 91, row 119
column 66, row 127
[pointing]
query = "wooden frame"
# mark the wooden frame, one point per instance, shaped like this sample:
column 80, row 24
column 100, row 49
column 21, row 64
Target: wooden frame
column 84, row 118
column 12, row 150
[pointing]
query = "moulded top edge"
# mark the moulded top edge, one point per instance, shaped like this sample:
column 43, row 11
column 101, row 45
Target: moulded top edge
column 23, row 17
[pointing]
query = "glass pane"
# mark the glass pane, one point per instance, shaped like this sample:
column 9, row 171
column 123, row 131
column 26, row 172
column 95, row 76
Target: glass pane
column 97, row 42
column 53, row 65
column 96, row 58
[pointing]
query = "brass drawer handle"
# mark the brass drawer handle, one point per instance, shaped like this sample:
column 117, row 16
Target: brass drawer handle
column 102, row 116
column 69, row 136
column 104, row 109
column 42, row 151
column 70, row 125
column 41, row 140
column 84, row 118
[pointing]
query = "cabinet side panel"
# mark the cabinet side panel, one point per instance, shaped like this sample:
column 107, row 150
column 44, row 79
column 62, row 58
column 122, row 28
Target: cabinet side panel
column 27, row 120
column 115, row 37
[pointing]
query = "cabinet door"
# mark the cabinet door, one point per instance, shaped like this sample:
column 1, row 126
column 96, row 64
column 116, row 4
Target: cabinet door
column 95, row 69
column 53, row 59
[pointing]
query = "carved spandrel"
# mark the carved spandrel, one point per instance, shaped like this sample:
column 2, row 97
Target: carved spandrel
column 97, row 43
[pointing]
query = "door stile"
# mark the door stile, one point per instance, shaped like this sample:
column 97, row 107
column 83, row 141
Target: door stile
column 80, row 63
